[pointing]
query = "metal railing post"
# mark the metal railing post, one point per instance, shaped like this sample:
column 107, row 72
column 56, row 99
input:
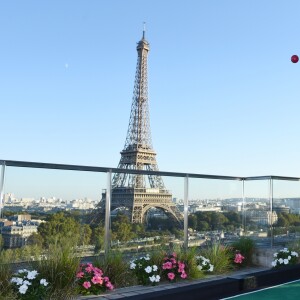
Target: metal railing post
column 271, row 211
column 107, row 213
column 243, row 208
column 185, row 212
column 2, row 188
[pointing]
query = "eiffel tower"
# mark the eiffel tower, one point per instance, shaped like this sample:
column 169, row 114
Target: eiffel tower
column 134, row 192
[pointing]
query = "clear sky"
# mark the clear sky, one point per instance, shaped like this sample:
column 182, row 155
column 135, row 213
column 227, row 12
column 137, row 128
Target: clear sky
column 224, row 95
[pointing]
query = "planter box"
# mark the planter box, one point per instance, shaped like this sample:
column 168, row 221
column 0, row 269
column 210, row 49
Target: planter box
column 208, row 289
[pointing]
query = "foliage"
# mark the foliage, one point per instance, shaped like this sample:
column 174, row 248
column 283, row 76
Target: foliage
column 59, row 226
column 59, row 265
column 1, row 242
column 287, row 219
column 115, row 267
column 220, row 256
column 122, row 229
column 295, row 245
column 6, row 291
column 145, row 272
column 173, row 268
column 91, row 280
column 30, row 285
column 204, row 264
column 285, row 257
column 189, row 257
column 97, row 238
column 35, row 239
column 85, row 234
column 245, row 246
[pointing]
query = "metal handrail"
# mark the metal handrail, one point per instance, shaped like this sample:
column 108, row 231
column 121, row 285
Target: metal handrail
column 27, row 164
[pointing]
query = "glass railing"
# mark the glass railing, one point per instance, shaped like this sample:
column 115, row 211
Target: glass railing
column 41, row 202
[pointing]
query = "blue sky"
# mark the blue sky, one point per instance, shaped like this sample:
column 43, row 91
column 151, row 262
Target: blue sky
column 224, row 96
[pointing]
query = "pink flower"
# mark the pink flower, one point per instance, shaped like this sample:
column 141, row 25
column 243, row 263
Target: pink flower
column 183, row 275
column 174, row 254
column 86, row 285
column 98, row 271
column 181, row 267
column 89, row 269
column 173, row 260
column 109, row 285
column 106, row 279
column 79, row 275
column 167, row 265
column 97, row 280
column 239, row 258
column 171, row 276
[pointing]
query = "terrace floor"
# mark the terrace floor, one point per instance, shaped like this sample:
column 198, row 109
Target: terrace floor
column 153, row 292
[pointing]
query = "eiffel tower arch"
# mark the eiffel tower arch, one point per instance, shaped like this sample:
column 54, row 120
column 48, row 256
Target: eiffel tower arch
column 135, row 192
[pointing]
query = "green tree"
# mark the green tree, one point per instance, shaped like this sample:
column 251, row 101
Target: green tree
column 203, row 226
column 85, row 234
column 122, row 229
column 58, row 226
column 97, row 238
column 192, row 221
column 35, row 239
column 1, row 242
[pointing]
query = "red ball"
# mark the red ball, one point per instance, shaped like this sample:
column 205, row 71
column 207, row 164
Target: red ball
column 294, row 59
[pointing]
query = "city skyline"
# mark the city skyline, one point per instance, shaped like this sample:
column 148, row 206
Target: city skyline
column 223, row 92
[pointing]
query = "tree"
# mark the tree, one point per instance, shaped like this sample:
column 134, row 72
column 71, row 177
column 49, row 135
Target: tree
column 57, row 227
column 203, row 226
column 122, row 228
column 1, row 242
column 35, row 239
column 192, row 221
column 97, row 237
column 85, row 234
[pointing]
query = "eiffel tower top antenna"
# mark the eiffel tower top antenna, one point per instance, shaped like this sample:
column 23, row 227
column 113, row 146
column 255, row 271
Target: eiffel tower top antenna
column 144, row 30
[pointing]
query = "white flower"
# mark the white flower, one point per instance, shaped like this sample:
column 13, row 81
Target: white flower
column 148, row 269
column 32, row 274
column 147, row 257
column 22, row 271
column 275, row 254
column 27, row 282
column 199, row 267
column 44, row 282
column 211, row 268
column 157, row 278
column 17, row 280
column 294, row 253
column 155, row 268
column 152, row 278
column 289, row 257
column 280, row 260
column 23, row 288
column 274, row 263
column 132, row 265
column 286, row 261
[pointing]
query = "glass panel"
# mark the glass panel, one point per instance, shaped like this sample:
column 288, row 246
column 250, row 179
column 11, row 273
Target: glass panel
column 146, row 218
column 286, row 207
column 215, row 211
column 257, row 212
column 42, row 206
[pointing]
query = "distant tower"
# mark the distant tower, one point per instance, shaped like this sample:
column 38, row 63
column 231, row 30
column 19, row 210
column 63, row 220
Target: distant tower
column 138, row 193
